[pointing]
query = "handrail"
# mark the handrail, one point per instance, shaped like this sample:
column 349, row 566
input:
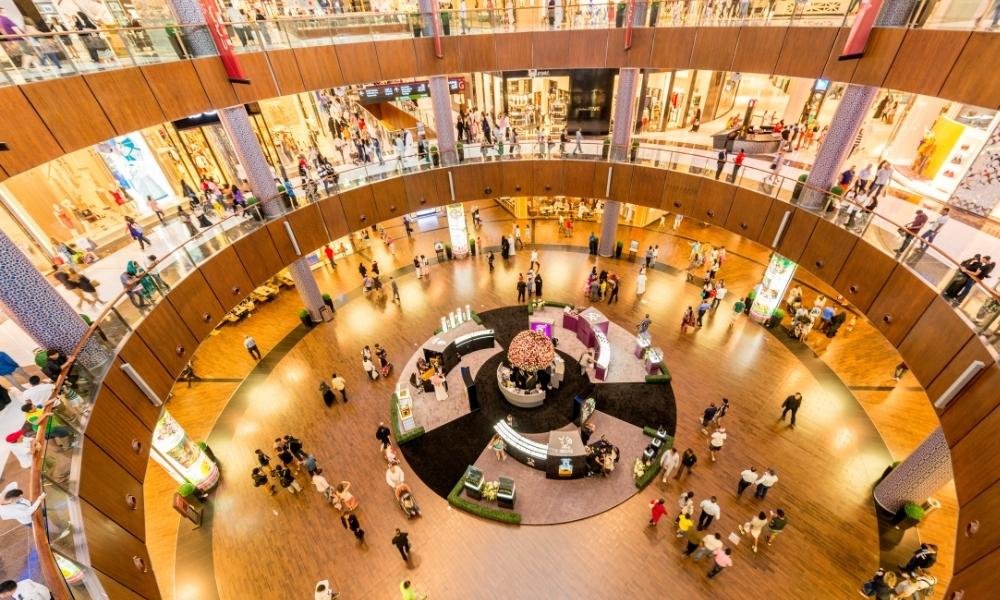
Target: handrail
column 44, row 551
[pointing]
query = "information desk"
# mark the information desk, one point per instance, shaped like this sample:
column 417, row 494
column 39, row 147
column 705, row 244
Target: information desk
column 450, row 346
column 518, row 397
column 567, row 455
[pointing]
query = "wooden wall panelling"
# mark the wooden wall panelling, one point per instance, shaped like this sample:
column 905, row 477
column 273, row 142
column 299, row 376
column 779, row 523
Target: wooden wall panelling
column 635, row 57
column 863, row 275
column 282, row 243
column 827, row 251
column 672, row 47
column 599, row 185
column 621, row 182
column 468, row 182
column 259, row 257
column 126, row 99
column 129, row 394
column 714, row 201
column 904, row 298
column 421, row 192
column 748, row 212
column 390, row 198
column 333, row 216
column 396, row 58
column 168, row 337
column 319, row 67
column 358, row 61
column 138, row 354
column 262, row 81
column 836, row 69
column 972, row 405
column 714, row 48
column 975, row 581
column 31, row 143
column 883, row 43
column 226, row 276
column 578, row 176
column 797, row 234
column 196, row 304
column 70, row 111
column 177, row 88
column 112, row 550
column 973, row 350
column 585, row 48
column 647, row 186
column 119, row 433
column 429, row 64
column 478, row 53
column 285, row 70
column 491, row 175
column 516, row 178
column 757, row 49
column 968, row 81
column 548, row 178
column 359, row 206
column 924, row 59
column 114, row 589
column 680, row 192
column 976, row 464
column 773, row 222
column 805, row 50
column 925, row 349
column 513, row 50
column 307, row 224
column 107, row 487
column 216, row 82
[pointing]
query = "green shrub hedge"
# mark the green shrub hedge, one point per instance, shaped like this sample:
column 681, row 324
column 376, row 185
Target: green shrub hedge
column 650, row 474
column 487, row 512
column 401, row 438
column 663, row 377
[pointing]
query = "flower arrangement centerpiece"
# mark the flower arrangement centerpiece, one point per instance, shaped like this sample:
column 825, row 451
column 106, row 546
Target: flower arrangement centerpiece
column 639, row 468
column 531, row 351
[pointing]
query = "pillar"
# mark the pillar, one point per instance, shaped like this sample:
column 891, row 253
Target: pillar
column 923, row 473
column 850, row 115
column 29, row 299
column 444, row 123
column 426, row 8
column 621, row 140
column 799, row 90
column 259, row 175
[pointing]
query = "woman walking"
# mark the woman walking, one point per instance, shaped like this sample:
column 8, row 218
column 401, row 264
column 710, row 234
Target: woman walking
column 688, row 460
column 754, row 527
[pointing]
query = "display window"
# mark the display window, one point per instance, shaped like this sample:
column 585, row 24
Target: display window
column 538, row 101
column 183, row 459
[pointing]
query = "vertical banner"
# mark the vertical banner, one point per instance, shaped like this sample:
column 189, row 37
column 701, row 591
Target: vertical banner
column 436, row 16
column 628, row 24
column 217, row 29
column 857, row 40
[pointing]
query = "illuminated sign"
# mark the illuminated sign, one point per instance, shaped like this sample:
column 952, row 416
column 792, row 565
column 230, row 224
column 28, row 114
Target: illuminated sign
column 386, row 92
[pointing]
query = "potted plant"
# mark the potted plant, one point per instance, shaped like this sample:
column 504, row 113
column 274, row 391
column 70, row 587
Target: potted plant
column 634, row 151
column 832, row 198
column 460, row 149
column 305, row 318
column 799, row 184
column 207, row 450
column 618, row 249
column 435, row 157
column 327, row 300
column 188, row 490
column 776, row 318
column 605, row 147
column 447, row 251
column 909, row 516
column 620, row 14
column 472, row 246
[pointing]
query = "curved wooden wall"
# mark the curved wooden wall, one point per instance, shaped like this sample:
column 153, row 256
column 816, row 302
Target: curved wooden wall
column 47, row 119
column 936, row 343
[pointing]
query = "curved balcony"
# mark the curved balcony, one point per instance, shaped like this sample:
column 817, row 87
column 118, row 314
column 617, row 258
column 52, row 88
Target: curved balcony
column 112, row 414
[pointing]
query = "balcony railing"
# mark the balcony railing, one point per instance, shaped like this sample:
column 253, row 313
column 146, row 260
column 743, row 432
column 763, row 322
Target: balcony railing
column 58, row 533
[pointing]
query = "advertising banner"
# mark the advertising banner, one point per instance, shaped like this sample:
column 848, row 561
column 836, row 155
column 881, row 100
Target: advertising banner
column 857, row 40
column 217, row 29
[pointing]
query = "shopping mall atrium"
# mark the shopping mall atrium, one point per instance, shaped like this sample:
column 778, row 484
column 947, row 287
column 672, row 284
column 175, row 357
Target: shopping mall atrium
column 521, row 299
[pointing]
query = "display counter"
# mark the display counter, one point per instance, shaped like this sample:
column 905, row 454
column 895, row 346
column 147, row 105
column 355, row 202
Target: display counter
column 404, row 406
column 652, row 360
column 760, row 142
column 642, row 343
column 567, row 455
column 515, row 395
column 449, row 347
column 602, row 360
column 525, row 450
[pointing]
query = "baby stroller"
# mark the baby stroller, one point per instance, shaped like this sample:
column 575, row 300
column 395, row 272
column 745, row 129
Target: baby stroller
column 406, row 501
column 386, row 370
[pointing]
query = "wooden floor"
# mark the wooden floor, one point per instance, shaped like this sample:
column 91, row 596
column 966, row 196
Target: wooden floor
column 275, row 548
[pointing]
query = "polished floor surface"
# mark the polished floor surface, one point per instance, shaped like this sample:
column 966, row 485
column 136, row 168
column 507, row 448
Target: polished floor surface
column 277, row 547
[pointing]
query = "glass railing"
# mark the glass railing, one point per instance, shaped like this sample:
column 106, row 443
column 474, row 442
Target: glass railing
column 31, row 56
column 58, row 532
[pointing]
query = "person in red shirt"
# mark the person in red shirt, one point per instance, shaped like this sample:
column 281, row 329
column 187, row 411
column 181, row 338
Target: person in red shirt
column 738, row 162
column 657, row 511
column 328, row 251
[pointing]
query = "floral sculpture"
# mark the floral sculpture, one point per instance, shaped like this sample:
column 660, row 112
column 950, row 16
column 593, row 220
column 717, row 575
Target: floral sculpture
column 531, row 351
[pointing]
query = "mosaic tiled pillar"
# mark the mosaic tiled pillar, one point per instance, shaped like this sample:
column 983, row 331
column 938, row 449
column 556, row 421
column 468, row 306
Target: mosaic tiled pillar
column 921, row 474
column 29, row 299
column 621, row 140
column 426, row 8
column 609, row 227
column 443, row 120
column 848, row 119
column 305, row 283
column 197, row 39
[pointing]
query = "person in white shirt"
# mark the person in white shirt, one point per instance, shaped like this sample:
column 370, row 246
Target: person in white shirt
column 716, row 440
column 26, row 589
column 710, row 510
column 534, row 259
column 39, row 393
column 394, row 476
column 935, row 227
column 15, row 507
column 766, row 481
column 670, row 460
column 747, row 478
column 709, row 545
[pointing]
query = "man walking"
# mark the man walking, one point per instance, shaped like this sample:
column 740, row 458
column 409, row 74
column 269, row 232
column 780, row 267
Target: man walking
column 911, row 229
column 766, row 481
column 251, row 345
column 776, row 525
column 669, row 462
column 720, row 164
column 710, row 510
column 935, row 227
column 339, row 385
column 402, row 543
column 579, row 141
column 522, row 287
column 709, row 545
column 737, row 163
column 791, row 404
column 643, row 325
column 395, row 289
column 747, row 478
column 382, row 434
